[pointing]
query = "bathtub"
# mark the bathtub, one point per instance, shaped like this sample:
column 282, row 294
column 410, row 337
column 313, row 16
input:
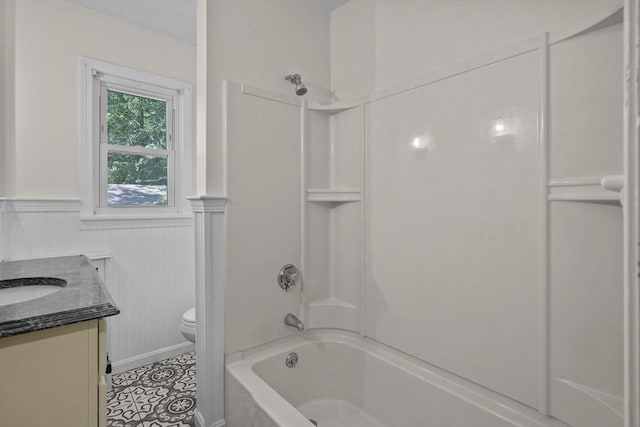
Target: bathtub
column 344, row 380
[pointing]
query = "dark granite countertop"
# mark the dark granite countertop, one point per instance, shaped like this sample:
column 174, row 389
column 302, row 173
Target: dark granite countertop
column 84, row 297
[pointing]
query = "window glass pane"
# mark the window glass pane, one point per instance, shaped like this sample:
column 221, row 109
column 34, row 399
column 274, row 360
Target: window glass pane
column 136, row 120
column 136, row 180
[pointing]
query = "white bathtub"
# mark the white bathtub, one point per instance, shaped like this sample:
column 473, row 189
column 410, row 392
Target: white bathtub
column 344, row 380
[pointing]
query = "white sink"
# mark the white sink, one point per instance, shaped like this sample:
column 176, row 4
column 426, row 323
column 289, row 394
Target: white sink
column 21, row 290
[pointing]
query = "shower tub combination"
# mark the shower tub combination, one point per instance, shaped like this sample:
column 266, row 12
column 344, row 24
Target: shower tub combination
column 341, row 379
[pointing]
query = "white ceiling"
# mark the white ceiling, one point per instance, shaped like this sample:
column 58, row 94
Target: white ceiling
column 175, row 18
column 329, row 5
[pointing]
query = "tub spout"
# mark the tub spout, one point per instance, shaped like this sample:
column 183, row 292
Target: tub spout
column 292, row 320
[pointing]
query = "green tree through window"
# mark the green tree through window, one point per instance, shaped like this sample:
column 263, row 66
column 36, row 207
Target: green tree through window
column 137, row 121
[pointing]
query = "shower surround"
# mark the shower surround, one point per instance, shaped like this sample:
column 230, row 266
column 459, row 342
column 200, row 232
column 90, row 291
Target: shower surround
column 454, row 219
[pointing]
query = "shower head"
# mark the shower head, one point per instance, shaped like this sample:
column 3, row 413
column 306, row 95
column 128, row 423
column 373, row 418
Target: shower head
column 296, row 80
column 301, row 89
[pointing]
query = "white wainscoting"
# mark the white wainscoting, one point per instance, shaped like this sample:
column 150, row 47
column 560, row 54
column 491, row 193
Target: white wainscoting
column 149, row 273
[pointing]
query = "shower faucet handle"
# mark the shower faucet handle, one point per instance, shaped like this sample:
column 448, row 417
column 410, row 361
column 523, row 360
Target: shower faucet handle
column 288, row 277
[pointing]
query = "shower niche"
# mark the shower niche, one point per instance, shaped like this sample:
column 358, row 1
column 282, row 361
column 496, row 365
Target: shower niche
column 332, row 140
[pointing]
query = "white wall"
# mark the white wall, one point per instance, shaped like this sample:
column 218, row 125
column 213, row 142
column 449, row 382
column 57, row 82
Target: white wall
column 150, row 272
column 379, row 43
column 50, row 35
column 353, row 49
column 7, row 66
column 258, row 43
column 3, row 94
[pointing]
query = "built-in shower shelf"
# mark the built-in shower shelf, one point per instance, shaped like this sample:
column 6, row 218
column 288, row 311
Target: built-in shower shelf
column 605, row 189
column 333, row 302
column 333, row 195
column 333, row 107
column 333, row 312
column 595, row 197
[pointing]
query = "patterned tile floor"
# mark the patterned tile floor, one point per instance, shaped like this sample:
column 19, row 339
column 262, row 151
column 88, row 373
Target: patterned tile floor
column 161, row 394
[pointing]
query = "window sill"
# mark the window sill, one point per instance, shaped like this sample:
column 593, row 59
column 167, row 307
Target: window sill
column 102, row 222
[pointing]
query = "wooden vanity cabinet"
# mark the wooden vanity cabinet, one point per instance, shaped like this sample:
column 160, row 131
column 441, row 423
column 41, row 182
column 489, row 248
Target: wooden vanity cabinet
column 54, row 377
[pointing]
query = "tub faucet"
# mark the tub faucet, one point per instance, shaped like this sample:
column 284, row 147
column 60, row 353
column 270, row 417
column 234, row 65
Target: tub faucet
column 292, row 320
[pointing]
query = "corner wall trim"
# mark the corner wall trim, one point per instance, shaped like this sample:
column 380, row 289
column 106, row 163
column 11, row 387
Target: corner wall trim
column 631, row 195
column 209, row 239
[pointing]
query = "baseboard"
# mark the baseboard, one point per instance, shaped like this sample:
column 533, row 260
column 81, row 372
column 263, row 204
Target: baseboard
column 199, row 421
column 152, row 357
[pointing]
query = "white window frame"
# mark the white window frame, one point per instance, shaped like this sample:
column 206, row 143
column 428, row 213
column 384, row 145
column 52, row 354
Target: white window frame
column 96, row 78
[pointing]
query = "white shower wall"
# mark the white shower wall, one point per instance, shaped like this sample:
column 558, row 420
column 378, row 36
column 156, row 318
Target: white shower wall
column 456, row 242
column 452, row 226
column 263, row 225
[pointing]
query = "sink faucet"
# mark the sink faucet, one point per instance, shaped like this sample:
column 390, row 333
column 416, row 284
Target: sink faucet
column 292, row 320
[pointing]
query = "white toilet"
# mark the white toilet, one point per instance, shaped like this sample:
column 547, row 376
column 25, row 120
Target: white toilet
column 188, row 324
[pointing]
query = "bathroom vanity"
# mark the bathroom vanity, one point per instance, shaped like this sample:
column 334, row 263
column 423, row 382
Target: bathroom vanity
column 52, row 343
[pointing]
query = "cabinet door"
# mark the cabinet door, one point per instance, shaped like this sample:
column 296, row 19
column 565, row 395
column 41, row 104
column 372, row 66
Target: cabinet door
column 49, row 378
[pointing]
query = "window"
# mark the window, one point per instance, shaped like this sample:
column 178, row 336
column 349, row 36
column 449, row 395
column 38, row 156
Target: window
column 135, row 143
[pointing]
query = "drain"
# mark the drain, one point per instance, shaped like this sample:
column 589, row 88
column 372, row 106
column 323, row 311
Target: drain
column 314, row 422
column 292, row 360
